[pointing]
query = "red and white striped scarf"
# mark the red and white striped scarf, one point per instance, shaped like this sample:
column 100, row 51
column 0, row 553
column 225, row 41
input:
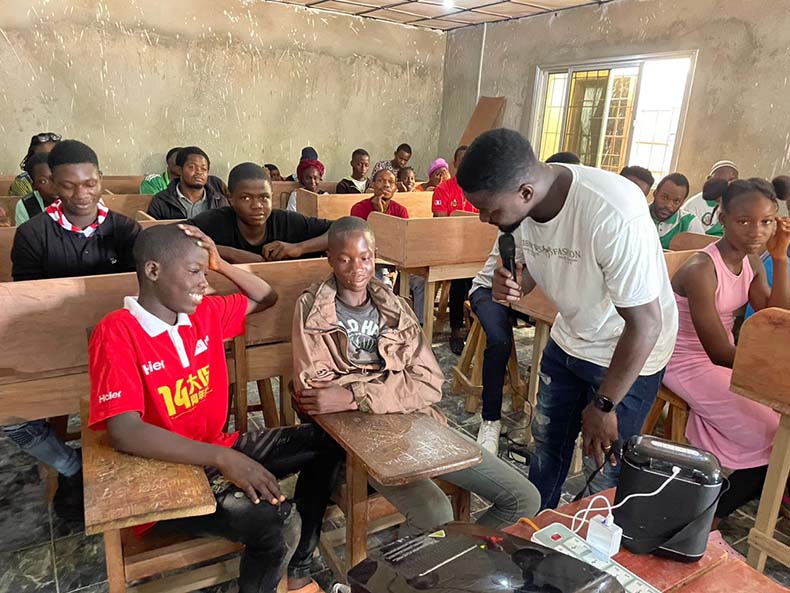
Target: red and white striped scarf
column 55, row 212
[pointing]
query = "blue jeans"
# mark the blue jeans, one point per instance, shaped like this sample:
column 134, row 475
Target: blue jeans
column 497, row 323
column 39, row 440
column 566, row 386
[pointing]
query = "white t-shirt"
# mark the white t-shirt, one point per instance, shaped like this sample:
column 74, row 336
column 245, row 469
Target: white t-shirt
column 291, row 202
column 704, row 211
column 600, row 251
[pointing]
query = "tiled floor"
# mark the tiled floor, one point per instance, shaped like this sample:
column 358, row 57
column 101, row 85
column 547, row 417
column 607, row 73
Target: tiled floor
column 41, row 553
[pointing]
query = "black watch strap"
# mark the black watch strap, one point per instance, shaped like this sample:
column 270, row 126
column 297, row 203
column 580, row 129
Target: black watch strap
column 602, row 402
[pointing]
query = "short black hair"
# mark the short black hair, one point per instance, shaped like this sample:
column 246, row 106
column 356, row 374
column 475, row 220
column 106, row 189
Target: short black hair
column 347, row 225
column 713, row 189
column 380, row 171
column 782, row 186
column 271, row 167
column 184, row 153
column 71, row 152
column 162, row 243
column 678, row 179
column 567, row 157
column 403, row 147
column 34, row 159
column 459, row 149
column 404, row 170
column 744, row 186
column 360, row 152
column 171, row 152
column 497, row 161
column 640, row 173
column 244, row 172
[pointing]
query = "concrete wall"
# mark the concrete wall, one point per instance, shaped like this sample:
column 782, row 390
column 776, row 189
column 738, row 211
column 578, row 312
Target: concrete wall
column 738, row 109
column 243, row 79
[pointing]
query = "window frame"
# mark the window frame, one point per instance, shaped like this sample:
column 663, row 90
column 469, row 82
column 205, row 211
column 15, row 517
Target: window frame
column 540, row 87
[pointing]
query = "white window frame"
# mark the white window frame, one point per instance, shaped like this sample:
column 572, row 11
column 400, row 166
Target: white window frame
column 541, row 83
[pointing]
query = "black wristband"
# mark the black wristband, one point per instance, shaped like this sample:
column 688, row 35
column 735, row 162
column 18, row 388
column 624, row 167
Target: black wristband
column 602, row 402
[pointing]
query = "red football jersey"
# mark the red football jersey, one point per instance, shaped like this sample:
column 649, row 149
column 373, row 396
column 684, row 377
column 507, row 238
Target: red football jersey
column 363, row 208
column 449, row 197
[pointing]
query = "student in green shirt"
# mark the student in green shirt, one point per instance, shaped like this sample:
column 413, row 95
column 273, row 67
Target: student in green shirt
column 44, row 191
column 668, row 216
column 153, row 184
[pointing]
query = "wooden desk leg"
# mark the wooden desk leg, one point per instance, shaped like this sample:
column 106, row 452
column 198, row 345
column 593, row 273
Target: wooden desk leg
column 771, row 500
column 542, row 330
column 113, row 555
column 287, row 416
column 239, row 349
column 430, row 297
column 405, row 287
column 356, row 511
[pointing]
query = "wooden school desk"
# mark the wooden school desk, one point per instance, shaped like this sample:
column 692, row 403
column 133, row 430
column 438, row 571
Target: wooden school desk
column 334, row 206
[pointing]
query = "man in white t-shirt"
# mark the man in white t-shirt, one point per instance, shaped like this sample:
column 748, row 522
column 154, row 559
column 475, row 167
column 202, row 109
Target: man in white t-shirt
column 588, row 241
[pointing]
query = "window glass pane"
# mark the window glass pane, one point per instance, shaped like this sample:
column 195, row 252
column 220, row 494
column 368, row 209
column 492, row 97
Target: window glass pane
column 554, row 107
column 585, row 114
column 661, row 93
column 622, row 97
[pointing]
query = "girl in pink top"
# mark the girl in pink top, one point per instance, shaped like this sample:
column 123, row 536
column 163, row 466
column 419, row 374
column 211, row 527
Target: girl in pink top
column 709, row 289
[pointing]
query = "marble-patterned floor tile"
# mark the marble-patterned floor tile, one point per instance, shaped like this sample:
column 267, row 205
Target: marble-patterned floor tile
column 28, row 571
column 97, row 588
column 735, row 527
column 79, row 561
column 24, row 517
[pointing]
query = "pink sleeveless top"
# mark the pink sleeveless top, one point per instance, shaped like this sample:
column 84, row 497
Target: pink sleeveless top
column 732, row 293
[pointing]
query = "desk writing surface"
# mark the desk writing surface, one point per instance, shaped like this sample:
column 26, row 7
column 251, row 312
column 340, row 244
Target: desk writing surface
column 333, row 206
column 401, row 448
column 664, row 574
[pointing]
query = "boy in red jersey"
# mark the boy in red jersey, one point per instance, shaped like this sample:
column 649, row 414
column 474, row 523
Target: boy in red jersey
column 159, row 386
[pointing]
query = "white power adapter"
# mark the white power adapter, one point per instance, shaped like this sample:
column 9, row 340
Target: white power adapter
column 604, row 536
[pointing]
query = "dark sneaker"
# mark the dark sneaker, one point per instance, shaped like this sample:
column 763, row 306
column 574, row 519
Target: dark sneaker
column 68, row 501
column 457, row 346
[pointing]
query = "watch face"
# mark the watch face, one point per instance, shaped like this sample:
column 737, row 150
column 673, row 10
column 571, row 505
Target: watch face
column 603, row 403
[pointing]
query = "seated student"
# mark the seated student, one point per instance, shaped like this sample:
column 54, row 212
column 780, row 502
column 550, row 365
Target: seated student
column 175, row 323
column 400, row 159
column 497, row 323
column 357, row 182
column 44, row 192
column 383, row 186
column 640, row 176
column 308, row 154
column 75, row 236
column 156, row 182
column 704, row 208
column 310, row 174
column 274, row 172
column 438, row 173
column 191, row 193
column 407, row 181
column 666, row 211
column 78, row 235
column 447, row 198
column 358, row 346
column 568, row 158
column 43, row 142
column 709, row 288
column 782, row 188
column 249, row 230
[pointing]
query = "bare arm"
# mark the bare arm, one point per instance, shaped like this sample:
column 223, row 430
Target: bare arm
column 259, row 293
column 129, row 434
column 277, row 250
column 237, row 256
column 778, row 295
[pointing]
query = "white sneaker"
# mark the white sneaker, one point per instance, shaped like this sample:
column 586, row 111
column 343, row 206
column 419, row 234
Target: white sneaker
column 488, row 435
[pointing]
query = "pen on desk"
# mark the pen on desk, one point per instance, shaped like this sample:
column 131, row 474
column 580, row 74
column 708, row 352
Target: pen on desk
column 423, row 544
column 458, row 555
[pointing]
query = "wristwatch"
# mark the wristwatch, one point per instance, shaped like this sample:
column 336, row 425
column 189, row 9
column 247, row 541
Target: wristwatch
column 602, row 402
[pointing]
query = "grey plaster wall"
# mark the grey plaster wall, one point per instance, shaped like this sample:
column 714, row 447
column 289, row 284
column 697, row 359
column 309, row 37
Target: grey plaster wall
column 739, row 107
column 244, row 79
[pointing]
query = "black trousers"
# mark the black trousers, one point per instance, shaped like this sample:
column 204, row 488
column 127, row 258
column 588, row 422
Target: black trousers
column 459, row 289
column 745, row 485
column 275, row 537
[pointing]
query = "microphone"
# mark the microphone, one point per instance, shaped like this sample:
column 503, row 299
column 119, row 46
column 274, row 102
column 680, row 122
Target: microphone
column 507, row 251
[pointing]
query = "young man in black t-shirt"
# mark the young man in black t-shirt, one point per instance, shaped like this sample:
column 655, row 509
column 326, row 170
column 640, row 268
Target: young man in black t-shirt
column 75, row 236
column 249, row 230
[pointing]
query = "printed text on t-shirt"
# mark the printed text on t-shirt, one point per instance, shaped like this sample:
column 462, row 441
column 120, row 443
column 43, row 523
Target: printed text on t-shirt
column 186, row 393
column 570, row 255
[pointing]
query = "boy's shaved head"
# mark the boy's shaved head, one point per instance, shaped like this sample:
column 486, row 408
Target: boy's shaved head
column 162, row 243
column 348, row 225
